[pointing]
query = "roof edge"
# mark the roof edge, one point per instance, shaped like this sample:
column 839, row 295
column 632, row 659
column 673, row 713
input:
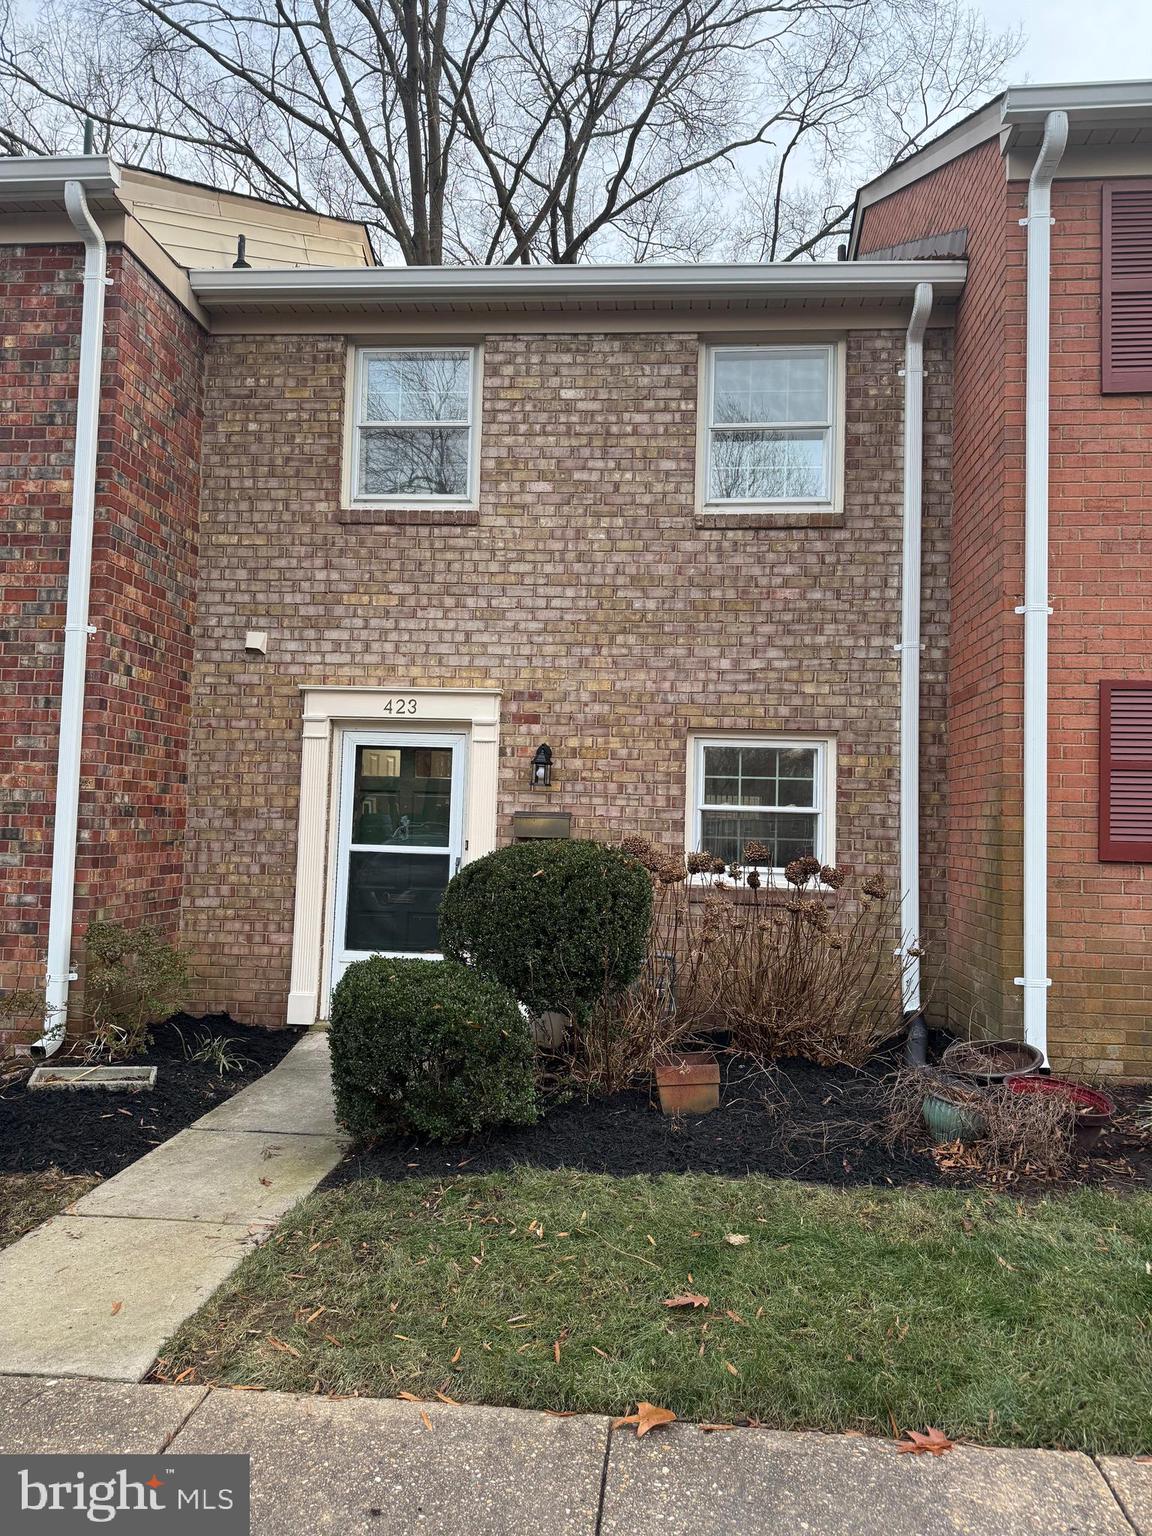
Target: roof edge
column 227, row 289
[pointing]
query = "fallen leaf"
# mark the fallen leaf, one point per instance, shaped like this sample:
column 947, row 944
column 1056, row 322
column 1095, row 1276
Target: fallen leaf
column 455, row 1360
column 556, row 1351
column 932, row 1443
column 410, row 1397
column 646, row 1417
column 280, row 1344
column 687, row 1299
column 267, row 1183
column 712, row 1429
column 737, row 1239
column 444, row 1398
column 730, row 1368
column 426, row 1419
column 116, row 1305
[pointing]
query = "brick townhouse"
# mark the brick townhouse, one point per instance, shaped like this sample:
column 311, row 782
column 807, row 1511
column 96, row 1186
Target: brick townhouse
column 391, row 565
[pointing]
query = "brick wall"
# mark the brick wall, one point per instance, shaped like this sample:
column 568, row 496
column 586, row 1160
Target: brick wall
column 1098, row 913
column 133, row 787
column 612, row 623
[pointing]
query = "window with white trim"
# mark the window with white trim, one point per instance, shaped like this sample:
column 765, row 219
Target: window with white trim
column 765, row 790
column 414, row 434
column 770, row 425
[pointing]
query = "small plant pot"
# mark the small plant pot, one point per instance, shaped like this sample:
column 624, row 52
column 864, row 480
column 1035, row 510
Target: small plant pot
column 1094, row 1110
column 688, row 1083
column 951, row 1122
column 991, row 1061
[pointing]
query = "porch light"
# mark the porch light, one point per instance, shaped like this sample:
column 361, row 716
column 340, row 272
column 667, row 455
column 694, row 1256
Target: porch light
column 542, row 767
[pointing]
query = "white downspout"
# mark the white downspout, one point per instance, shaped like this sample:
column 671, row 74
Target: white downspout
column 1034, row 609
column 909, row 648
column 76, row 627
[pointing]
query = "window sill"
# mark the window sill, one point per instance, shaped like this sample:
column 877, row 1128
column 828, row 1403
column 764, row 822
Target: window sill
column 407, row 517
column 766, row 517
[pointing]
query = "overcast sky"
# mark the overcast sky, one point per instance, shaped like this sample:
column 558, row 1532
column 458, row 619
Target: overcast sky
column 1072, row 40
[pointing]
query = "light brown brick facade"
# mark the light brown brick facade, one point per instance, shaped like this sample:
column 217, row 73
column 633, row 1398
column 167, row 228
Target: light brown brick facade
column 585, row 592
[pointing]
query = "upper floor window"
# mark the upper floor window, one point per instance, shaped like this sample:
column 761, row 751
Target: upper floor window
column 770, row 415
column 415, row 434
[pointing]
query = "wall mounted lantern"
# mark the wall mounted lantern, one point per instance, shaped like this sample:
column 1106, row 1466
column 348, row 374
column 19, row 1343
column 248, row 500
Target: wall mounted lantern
column 542, row 767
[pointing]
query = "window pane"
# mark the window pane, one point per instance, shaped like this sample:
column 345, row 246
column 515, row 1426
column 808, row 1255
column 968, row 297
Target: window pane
column 761, row 776
column 402, row 795
column 789, row 834
column 418, row 386
column 393, row 900
column 769, row 386
column 406, row 461
column 768, row 466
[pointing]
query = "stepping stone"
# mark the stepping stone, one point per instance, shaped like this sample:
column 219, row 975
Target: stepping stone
column 369, row 1467
column 681, row 1480
column 98, row 1297
column 295, row 1096
column 89, row 1418
column 217, row 1176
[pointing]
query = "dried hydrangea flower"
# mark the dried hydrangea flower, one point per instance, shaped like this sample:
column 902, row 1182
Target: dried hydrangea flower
column 874, row 885
column 832, row 877
column 753, row 880
column 757, row 853
column 699, row 863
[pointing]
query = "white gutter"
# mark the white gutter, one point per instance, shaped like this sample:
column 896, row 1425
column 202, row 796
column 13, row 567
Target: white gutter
column 909, row 647
column 76, row 627
column 1034, row 609
column 896, row 281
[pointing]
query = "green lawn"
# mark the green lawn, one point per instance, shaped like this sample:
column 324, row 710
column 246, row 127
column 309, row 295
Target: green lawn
column 1012, row 1323
column 27, row 1199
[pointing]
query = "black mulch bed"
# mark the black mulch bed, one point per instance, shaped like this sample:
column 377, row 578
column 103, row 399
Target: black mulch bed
column 798, row 1121
column 101, row 1130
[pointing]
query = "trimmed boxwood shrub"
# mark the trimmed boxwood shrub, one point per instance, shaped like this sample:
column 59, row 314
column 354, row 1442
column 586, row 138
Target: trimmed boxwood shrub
column 429, row 1047
column 560, row 924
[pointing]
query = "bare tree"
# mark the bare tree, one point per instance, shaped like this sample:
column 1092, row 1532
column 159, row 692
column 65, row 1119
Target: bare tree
column 511, row 130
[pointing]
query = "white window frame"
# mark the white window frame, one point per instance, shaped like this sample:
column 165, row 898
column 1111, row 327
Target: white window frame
column 824, row 786
column 833, row 426
column 359, row 357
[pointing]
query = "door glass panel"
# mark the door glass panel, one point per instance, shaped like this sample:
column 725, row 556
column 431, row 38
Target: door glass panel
column 402, row 797
column 393, row 899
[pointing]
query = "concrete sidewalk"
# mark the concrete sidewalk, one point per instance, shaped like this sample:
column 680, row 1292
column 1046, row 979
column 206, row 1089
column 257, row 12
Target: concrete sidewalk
column 390, row 1468
column 97, row 1291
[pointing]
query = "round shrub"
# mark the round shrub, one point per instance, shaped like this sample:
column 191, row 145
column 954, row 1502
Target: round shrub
column 560, row 924
column 429, row 1047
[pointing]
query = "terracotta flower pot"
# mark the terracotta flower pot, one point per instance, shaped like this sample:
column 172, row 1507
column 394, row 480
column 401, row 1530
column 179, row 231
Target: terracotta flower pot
column 689, row 1083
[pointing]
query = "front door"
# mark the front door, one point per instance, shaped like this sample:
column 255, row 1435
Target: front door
column 400, row 842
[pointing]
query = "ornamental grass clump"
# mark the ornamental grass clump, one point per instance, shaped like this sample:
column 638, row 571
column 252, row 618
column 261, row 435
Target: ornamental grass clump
column 561, row 924
column 427, row 1047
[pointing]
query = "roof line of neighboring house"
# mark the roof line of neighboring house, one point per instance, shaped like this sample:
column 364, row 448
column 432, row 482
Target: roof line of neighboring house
column 1016, row 117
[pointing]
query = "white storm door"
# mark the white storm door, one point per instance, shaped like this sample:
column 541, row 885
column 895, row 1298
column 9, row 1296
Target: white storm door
column 400, row 841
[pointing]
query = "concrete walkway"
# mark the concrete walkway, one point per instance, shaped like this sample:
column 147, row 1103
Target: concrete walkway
column 97, row 1291
column 391, row 1468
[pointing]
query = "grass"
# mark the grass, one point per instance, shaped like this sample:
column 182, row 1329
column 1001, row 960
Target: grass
column 997, row 1321
column 27, row 1199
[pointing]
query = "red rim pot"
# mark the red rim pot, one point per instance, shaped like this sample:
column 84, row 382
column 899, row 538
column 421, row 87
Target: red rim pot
column 1093, row 1109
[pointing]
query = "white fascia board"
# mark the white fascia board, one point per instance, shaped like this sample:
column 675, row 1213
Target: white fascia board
column 221, row 289
column 44, row 176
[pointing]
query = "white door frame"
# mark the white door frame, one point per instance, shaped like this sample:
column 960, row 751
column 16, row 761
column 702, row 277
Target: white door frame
column 328, row 714
column 457, row 743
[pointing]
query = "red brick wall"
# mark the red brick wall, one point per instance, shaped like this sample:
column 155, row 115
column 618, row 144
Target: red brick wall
column 1099, row 913
column 612, row 619
column 133, row 787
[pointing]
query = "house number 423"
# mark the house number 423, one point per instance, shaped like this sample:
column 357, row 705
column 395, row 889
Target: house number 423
column 399, row 707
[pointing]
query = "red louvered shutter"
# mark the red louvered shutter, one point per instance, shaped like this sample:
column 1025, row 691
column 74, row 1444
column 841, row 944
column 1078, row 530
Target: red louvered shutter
column 1126, row 320
column 1126, row 773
